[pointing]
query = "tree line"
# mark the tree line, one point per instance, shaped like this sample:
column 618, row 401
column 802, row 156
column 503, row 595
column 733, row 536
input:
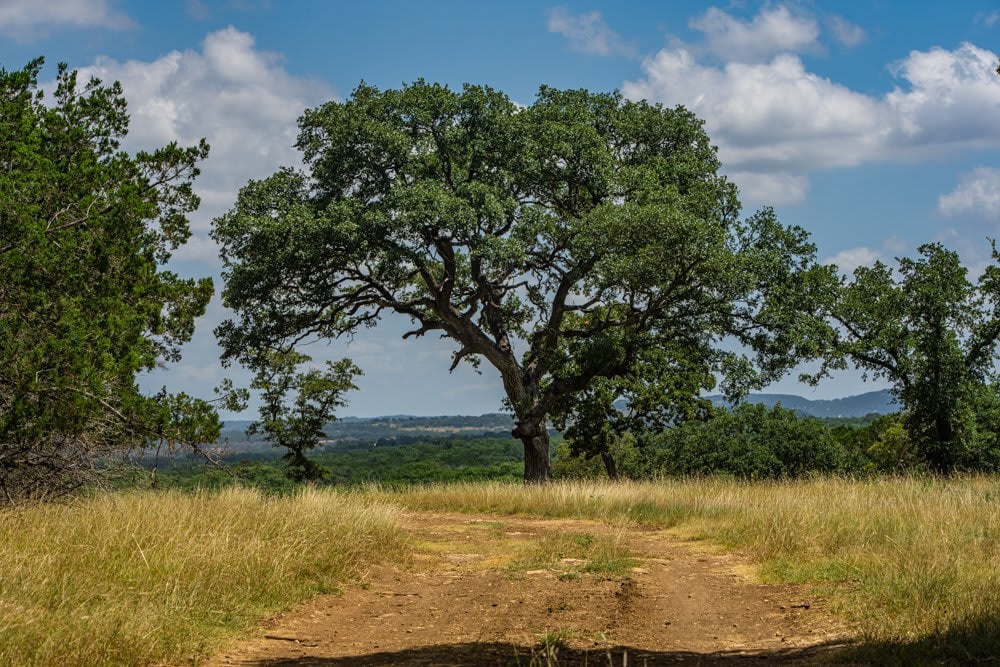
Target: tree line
column 586, row 247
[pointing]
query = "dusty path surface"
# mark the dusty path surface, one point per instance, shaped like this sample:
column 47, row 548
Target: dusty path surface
column 479, row 590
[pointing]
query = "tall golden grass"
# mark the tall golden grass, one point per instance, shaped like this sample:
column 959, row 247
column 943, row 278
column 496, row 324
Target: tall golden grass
column 913, row 563
column 150, row 578
column 147, row 578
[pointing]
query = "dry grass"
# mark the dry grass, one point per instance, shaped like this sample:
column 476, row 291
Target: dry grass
column 573, row 553
column 146, row 578
column 914, row 563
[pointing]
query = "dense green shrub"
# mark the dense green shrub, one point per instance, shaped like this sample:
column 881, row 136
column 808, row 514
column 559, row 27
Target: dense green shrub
column 887, row 445
column 750, row 441
column 882, row 446
column 978, row 441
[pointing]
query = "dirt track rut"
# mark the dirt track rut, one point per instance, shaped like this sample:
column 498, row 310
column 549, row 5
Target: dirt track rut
column 459, row 601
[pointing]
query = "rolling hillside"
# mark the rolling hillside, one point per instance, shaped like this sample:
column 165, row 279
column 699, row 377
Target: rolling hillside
column 879, row 402
column 396, row 426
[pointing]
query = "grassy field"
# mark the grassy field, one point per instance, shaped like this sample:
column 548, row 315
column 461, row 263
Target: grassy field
column 152, row 578
column 913, row 564
column 141, row 578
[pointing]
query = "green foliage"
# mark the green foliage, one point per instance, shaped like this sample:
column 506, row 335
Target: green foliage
column 881, row 446
column 296, row 406
column 583, row 239
column 933, row 334
column 421, row 462
column 84, row 304
column 629, row 456
column 442, row 460
column 569, row 465
column 752, row 441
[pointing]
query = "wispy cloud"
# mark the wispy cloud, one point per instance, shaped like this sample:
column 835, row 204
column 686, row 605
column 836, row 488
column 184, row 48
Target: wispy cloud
column 198, row 10
column 977, row 195
column 845, row 32
column 989, row 19
column 589, row 33
column 25, row 20
column 773, row 30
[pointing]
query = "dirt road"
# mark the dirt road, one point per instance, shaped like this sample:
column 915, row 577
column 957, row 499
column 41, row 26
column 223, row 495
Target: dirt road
column 471, row 595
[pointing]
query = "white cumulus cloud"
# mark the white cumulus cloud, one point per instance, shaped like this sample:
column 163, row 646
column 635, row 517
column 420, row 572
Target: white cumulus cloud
column 775, row 121
column 242, row 100
column 588, row 33
column 26, row 19
column 773, row 30
column 851, row 258
column 770, row 119
column 950, row 101
column 977, row 195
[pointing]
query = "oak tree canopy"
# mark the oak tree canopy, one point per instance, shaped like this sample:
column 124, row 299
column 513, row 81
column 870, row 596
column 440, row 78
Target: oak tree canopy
column 585, row 247
column 933, row 334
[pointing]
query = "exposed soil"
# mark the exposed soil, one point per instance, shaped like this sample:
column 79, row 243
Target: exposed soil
column 461, row 600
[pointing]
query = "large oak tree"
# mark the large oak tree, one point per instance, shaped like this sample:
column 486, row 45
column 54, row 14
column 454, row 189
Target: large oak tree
column 581, row 240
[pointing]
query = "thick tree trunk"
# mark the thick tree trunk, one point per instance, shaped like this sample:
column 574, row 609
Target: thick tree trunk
column 537, row 466
column 609, row 464
column 944, row 456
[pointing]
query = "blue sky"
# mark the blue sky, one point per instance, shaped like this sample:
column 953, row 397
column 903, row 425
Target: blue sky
column 874, row 125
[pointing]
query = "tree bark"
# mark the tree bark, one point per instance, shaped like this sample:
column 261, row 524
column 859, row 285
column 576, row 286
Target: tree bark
column 944, row 458
column 609, row 464
column 537, row 466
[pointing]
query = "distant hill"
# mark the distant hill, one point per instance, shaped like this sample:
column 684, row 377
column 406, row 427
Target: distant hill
column 396, row 426
column 407, row 426
column 878, row 402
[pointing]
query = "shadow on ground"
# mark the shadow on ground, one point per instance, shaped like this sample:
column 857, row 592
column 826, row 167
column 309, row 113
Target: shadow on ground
column 975, row 641
column 513, row 655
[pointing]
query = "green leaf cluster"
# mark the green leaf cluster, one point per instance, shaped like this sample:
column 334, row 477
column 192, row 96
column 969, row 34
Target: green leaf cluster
column 296, row 406
column 933, row 333
column 751, row 441
column 85, row 304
